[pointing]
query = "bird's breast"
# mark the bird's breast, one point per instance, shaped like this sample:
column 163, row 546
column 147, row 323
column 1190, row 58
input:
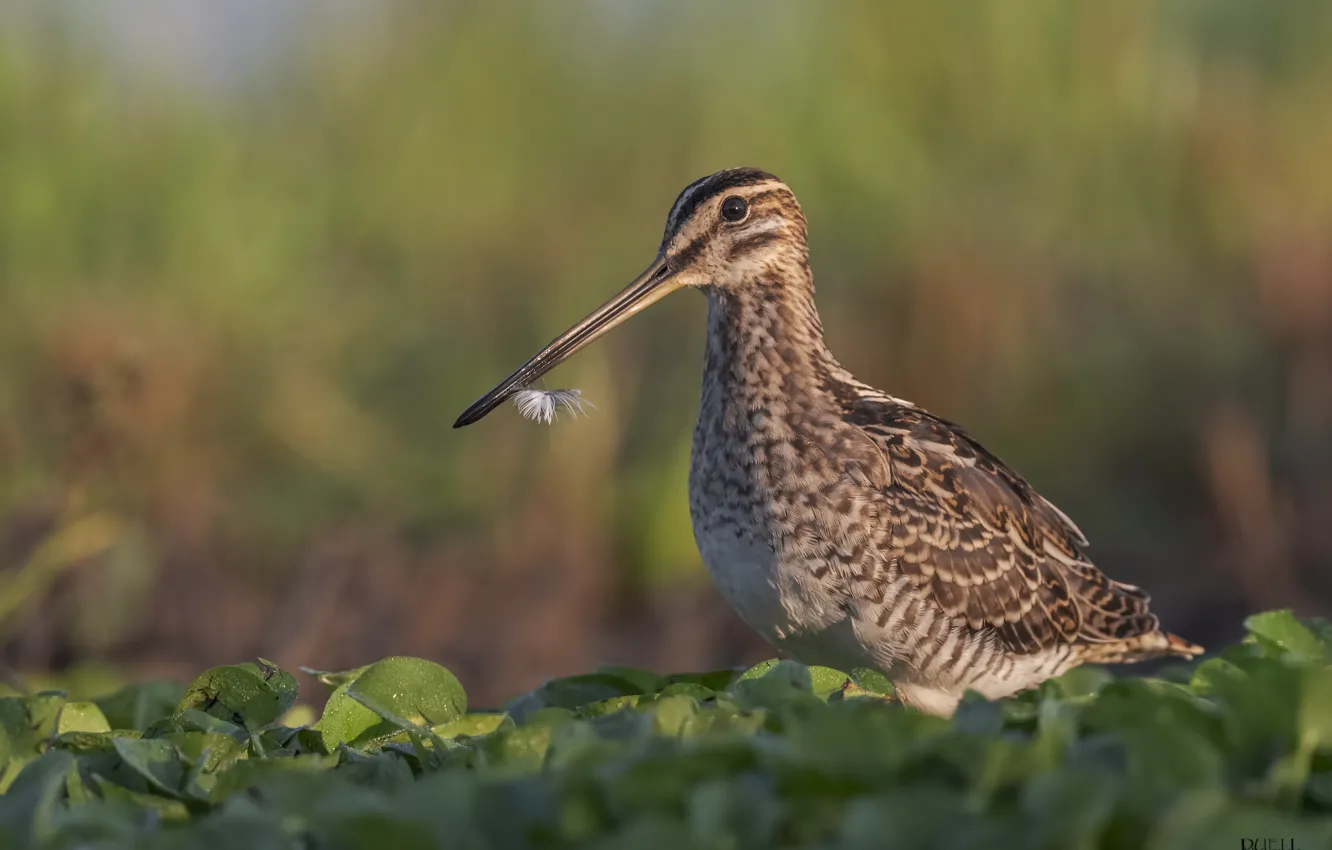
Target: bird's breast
column 732, row 531
column 745, row 534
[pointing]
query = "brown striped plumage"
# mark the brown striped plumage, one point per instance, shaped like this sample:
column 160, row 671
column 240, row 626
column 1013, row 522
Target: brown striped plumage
column 847, row 526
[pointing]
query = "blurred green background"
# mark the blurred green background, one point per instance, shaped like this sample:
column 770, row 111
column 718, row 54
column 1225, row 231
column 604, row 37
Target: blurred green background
column 255, row 258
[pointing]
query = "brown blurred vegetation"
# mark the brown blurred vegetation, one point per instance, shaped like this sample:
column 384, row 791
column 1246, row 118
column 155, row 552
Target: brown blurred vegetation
column 236, row 323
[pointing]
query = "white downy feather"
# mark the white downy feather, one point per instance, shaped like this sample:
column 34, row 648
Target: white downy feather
column 544, row 406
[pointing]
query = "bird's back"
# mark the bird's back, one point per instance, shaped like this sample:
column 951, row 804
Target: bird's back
column 992, row 552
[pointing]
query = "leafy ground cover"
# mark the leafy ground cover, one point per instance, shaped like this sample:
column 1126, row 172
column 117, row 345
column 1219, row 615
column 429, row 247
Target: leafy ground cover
column 1229, row 752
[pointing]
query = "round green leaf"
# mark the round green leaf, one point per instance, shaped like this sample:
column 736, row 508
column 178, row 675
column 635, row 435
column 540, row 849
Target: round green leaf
column 1281, row 632
column 249, row 695
column 81, row 717
column 825, row 681
column 758, row 671
column 872, row 680
column 419, row 691
column 673, row 716
column 390, row 695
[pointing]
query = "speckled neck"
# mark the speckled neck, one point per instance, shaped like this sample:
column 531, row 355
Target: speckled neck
column 765, row 351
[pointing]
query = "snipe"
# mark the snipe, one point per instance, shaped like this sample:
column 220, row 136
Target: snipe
column 848, row 527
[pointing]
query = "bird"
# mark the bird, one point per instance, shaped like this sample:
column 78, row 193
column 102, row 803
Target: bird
column 849, row 527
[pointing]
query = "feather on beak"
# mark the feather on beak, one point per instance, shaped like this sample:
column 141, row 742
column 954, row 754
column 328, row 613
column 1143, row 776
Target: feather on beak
column 651, row 286
column 544, row 406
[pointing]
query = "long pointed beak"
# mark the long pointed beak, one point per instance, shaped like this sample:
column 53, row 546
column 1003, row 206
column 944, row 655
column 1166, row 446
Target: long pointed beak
column 651, row 286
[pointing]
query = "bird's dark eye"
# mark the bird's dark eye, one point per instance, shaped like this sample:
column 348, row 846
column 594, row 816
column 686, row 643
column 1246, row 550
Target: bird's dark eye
column 734, row 208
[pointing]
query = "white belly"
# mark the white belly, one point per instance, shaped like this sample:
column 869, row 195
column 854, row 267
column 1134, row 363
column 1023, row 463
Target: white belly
column 780, row 601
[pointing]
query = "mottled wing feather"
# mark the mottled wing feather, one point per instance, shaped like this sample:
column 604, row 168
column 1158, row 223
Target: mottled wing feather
column 989, row 549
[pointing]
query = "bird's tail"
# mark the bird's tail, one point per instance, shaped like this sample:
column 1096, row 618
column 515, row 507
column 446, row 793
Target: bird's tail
column 1138, row 648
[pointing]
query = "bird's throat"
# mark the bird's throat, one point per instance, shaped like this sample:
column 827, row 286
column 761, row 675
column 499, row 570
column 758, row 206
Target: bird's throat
column 765, row 350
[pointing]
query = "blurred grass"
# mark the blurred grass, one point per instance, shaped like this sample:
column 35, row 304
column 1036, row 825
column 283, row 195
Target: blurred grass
column 243, row 322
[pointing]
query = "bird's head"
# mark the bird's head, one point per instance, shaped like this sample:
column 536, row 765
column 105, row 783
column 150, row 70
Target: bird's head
column 737, row 228
column 733, row 228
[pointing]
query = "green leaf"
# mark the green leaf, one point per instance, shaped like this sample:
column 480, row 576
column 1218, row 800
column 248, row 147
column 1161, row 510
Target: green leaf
column 44, row 712
column 421, row 691
column 713, row 680
column 1319, row 789
column 388, row 696
column 784, row 684
column 300, row 715
column 741, row 812
column 18, row 744
column 28, row 808
column 386, row 771
column 1316, row 708
column 210, row 751
column 249, row 695
column 873, row 680
column 784, row 755
column 269, row 773
column 825, row 681
column 674, row 716
column 614, row 704
column 552, row 716
column 683, row 689
column 572, row 692
column 156, row 761
column 1201, row 821
column 650, row 832
column 520, row 748
column 194, row 720
column 583, row 745
column 232, row 829
column 923, row 817
column 643, row 681
column 758, row 671
column 284, row 740
column 1070, row 807
column 346, row 721
column 83, row 743
column 81, row 717
column 724, row 719
column 163, row 808
column 1084, row 681
column 139, row 706
column 1256, row 706
column 1282, row 633
column 27, row 726
column 90, row 821
column 471, row 725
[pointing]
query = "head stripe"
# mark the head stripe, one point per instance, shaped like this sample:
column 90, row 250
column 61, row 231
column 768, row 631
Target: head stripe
column 696, row 193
